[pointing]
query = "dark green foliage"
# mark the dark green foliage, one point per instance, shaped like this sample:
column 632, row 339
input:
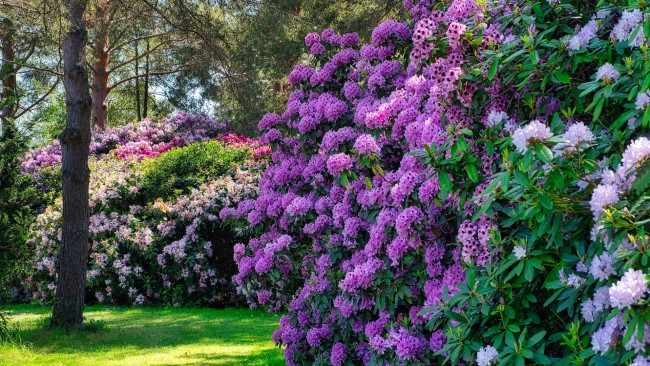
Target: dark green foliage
column 4, row 326
column 179, row 170
column 16, row 199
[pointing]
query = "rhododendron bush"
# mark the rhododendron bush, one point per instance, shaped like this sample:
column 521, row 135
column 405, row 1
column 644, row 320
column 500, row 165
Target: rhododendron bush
column 145, row 139
column 471, row 187
column 149, row 243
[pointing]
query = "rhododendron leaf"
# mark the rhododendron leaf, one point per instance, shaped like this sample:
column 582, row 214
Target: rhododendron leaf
column 534, row 57
column 634, row 33
column 505, row 181
column 562, row 77
column 646, row 117
column 466, row 131
column 544, row 153
column 545, row 200
column 599, row 108
column 529, row 272
column 472, row 173
column 522, row 178
column 642, row 180
column 589, row 90
column 445, row 183
column 513, row 56
column 556, row 178
column 646, row 84
column 368, row 183
column 493, row 69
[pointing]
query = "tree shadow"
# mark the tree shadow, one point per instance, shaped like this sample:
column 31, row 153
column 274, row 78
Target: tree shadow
column 154, row 336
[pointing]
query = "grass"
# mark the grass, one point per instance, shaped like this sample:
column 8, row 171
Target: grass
column 144, row 336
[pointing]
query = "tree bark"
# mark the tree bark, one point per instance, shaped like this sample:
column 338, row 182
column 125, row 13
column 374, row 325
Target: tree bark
column 146, row 84
column 137, row 84
column 9, row 80
column 75, row 141
column 101, row 54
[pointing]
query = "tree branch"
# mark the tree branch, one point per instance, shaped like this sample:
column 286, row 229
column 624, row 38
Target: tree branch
column 27, row 56
column 21, row 65
column 124, row 63
column 39, row 100
column 151, row 73
column 113, row 48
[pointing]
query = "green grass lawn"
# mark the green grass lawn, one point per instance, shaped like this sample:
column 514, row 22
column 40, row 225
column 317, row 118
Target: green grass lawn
column 145, row 336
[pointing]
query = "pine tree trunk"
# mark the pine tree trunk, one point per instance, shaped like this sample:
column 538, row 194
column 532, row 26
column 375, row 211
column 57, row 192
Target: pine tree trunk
column 100, row 66
column 75, row 141
column 146, row 84
column 137, row 85
column 9, row 81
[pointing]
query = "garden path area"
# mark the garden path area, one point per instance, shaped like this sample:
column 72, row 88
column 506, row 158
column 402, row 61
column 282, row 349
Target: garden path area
column 145, row 336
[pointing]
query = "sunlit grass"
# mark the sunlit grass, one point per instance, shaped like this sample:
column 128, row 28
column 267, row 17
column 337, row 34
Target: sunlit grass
column 145, row 336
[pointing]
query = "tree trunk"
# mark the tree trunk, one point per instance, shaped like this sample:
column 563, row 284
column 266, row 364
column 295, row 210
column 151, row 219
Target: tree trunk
column 100, row 66
column 146, row 84
column 9, row 81
column 137, row 84
column 75, row 141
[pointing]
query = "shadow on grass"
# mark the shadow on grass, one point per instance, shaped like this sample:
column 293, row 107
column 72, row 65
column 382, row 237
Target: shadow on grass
column 156, row 336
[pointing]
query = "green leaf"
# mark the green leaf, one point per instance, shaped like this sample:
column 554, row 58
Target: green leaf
column 493, row 69
column 472, row 173
column 646, row 84
column 534, row 57
column 633, row 34
column 642, row 180
column 368, row 183
column 522, row 178
column 544, row 153
column 562, row 76
column 535, row 339
column 445, row 182
column 545, row 200
column 599, row 108
column 512, row 56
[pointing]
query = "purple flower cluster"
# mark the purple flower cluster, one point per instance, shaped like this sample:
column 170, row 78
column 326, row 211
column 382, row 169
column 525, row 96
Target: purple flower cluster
column 367, row 255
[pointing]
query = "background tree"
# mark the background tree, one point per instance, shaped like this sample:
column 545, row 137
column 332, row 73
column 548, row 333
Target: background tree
column 30, row 60
column 16, row 196
column 118, row 28
column 75, row 143
column 265, row 40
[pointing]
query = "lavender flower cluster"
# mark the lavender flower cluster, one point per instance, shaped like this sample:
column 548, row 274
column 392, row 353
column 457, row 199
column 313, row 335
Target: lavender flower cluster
column 356, row 262
column 355, row 234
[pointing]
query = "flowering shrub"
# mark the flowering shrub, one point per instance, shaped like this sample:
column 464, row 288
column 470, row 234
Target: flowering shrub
column 173, row 251
column 145, row 139
column 155, row 233
column 469, row 188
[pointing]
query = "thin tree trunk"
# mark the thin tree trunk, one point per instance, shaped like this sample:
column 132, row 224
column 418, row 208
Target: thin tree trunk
column 100, row 66
column 9, row 81
column 75, row 141
column 137, row 84
column 146, row 84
